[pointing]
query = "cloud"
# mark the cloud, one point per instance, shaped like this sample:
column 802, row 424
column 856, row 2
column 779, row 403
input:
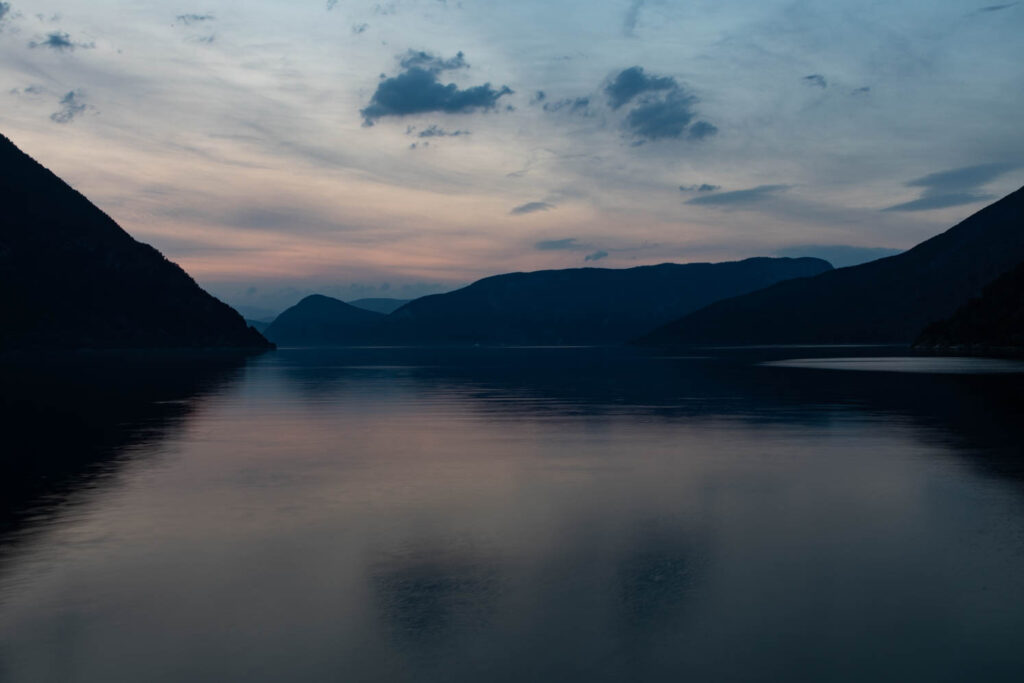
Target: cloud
column 27, row 90
column 5, row 11
column 816, row 80
column 632, row 16
column 665, row 118
column 566, row 244
column 701, row 130
column 996, row 8
column 417, row 59
column 574, row 105
column 839, row 255
column 359, row 28
column 662, row 108
column 631, row 82
column 703, row 187
column 418, row 91
column 531, row 207
column 739, row 197
column 954, row 187
column 434, row 131
column 71, row 106
column 596, row 256
column 60, row 41
column 331, row 4
column 189, row 19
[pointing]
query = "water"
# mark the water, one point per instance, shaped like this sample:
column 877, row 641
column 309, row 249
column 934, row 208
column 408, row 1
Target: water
column 511, row 515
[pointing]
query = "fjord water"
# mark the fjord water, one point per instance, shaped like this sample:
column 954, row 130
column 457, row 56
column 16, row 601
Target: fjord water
column 517, row 515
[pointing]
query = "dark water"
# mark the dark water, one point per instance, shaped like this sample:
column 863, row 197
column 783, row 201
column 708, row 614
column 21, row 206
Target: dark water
column 512, row 515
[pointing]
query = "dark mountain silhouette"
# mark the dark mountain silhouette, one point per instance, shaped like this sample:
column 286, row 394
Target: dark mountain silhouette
column 379, row 305
column 581, row 305
column 885, row 301
column 71, row 278
column 320, row 320
column 992, row 322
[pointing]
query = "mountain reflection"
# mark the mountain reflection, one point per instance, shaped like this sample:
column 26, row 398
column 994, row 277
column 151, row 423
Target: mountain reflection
column 72, row 420
column 978, row 415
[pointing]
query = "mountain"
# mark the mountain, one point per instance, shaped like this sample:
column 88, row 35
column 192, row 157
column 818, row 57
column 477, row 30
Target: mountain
column 70, row 277
column 994, row 321
column 581, row 305
column 320, row 320
column 384, row 306
column 885, row 301
column 258, row 325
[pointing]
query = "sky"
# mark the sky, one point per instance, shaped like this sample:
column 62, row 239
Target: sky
column 394, row 149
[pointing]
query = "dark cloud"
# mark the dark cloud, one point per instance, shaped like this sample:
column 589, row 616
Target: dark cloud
column 418, row 90
column 701, row 130
column 817, row 80
column 739, row 197
column 539, row 96
column 566, row 244
column 61, row 42
column 531, row 207
column 661, row 107
column 955, row 187
column 417, row 59
column 662, row 118
column 631, row 82
column 573, row 105
column 5, row 11
column 703, row 187
column 632, row 16
column 71, row 106
column 331, row 4
column 359, row 28
column 862, row 90
column 596, row 256
column 189, row 19
column 839, row 255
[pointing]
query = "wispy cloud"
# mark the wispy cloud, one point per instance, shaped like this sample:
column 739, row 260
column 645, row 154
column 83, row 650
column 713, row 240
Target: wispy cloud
column 565, row 244
column 996, row 8
column 531, row 207
column 596, row 256
column 632, row 16
column 60, row 42
column 955, row 187
column 751, row 195
column 189, row 19
column 71, row 106
column 817, row 80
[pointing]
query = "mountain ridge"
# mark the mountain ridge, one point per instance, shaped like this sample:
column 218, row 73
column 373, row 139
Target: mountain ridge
column 71, row 277
column 889, row 300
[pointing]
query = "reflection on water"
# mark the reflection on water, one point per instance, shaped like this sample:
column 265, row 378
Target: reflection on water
column 509, row 515
column 921, row 364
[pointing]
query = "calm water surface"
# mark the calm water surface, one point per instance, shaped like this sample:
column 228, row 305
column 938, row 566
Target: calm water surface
column 512, row 515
